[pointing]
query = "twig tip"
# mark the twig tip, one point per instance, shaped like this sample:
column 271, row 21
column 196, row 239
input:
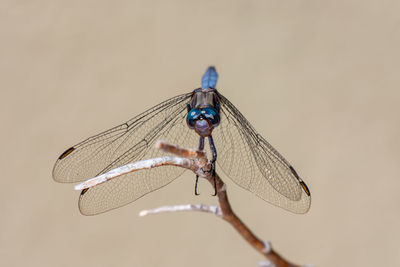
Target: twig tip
column 143, row 213
column 266, row 263
column 159, row 144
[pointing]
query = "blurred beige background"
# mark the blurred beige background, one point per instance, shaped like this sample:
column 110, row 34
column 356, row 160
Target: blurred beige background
column 319, row 80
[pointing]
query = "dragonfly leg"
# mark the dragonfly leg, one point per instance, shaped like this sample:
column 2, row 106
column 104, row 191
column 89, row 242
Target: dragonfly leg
column 201, row 148
column 189, row 108
column 213, row 160
column 195, row 186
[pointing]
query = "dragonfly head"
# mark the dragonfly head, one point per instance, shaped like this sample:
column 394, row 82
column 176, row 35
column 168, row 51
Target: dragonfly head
column 203, row 120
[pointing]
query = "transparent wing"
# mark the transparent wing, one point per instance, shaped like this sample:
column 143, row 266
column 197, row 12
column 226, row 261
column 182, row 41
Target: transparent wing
column 252, row 163
column 129, row 187
column 128, row 142
column 119, row 145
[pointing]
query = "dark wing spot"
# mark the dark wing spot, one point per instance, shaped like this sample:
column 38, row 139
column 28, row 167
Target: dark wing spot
column 303, row 185
column 67, row 152
column 305, row 188
column 84, row 191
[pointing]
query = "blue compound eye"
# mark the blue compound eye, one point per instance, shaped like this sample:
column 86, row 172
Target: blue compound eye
column 192, row 116
column 211, row 115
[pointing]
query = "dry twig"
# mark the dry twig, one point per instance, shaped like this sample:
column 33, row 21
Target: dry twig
column 197, row 162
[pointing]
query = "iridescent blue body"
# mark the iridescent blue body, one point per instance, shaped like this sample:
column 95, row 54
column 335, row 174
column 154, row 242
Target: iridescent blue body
column 209, row 79
column 203, row 110
column 203, row 113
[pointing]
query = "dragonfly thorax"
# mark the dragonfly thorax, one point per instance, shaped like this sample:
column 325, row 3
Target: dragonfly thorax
column 203, row 113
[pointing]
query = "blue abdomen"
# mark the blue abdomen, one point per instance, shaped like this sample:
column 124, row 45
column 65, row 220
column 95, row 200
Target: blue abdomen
column 210, row 78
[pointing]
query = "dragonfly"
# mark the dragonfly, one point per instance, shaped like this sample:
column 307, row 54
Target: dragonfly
column 189, row 119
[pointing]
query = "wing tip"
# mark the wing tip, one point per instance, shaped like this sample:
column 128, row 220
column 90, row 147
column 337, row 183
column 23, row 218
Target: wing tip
column 305, row 188
column 66, row 153
column 302, row 183
column 84, row 191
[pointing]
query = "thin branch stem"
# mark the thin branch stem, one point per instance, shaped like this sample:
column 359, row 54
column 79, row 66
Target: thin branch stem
column 228, row 215
column 197, row 162
column 263, row 247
